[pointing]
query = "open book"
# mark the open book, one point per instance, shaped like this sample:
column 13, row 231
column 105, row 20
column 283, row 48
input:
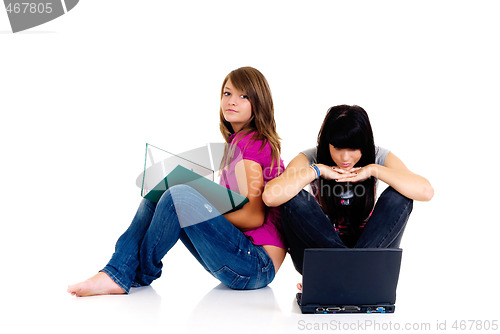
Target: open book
column 163, row 169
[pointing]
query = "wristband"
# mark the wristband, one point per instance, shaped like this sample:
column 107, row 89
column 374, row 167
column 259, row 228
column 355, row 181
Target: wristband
column 316, row 168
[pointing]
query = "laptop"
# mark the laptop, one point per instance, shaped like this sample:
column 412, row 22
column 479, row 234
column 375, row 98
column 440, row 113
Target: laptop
column 349, row 280
column 163, row 170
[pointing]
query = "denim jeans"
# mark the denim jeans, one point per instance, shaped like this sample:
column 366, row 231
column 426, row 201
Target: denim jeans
column 305, row 225
column 218, row 245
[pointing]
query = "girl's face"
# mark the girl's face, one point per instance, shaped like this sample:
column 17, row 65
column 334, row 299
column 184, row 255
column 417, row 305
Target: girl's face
column 235, row 106
column 345, row 158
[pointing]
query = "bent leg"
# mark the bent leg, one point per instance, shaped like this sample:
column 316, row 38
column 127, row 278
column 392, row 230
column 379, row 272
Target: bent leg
column 305, row 225
column 220, row 247
column 154, row 231
column 230, row 256
column 385, row 227
column 161, row 236
column 124, row 261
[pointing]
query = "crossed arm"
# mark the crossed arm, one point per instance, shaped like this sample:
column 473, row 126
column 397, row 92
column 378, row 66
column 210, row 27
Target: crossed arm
column 298, row 174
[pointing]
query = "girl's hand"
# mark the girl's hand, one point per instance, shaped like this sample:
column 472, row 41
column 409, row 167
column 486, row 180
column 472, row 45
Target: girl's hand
column 335, row 173
column 358, row 174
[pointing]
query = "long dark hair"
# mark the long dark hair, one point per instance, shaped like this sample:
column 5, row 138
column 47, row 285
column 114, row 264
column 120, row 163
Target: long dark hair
column 347, row 127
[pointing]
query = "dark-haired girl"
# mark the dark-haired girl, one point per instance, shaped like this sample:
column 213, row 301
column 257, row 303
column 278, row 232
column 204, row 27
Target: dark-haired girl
column 343, row 170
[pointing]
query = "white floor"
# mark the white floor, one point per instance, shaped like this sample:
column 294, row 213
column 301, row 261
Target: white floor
column 440, row 287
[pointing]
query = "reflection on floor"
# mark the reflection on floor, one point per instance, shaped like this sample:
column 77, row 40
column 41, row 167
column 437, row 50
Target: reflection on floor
column 186, row 299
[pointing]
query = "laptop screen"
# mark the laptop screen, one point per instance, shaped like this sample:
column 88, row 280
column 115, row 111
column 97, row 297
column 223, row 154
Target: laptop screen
column 350, row 276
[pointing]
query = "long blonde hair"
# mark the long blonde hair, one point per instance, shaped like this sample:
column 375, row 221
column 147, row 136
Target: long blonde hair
column 250, row 81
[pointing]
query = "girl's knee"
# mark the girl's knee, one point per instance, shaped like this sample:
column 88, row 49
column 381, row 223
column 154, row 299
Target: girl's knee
column 298, row 209
column 189, row 205
column 175, row 193
column 394, row 198
column 180, row 189
column 301, row 201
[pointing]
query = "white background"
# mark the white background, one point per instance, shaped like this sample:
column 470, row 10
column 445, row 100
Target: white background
column 81, row 95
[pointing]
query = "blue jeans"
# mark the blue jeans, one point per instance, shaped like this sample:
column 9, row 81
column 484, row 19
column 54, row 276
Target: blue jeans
column 182, row 213
column 305, row 225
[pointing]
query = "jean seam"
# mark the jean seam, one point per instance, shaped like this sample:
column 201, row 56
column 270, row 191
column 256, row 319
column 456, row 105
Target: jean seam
column 202, row 218
column 234, row 242
column 237, row 277
column 394, row 224
column 269, row 269
column 188, row 203
column 303, row 236
column 270, row 264
column 155, row 244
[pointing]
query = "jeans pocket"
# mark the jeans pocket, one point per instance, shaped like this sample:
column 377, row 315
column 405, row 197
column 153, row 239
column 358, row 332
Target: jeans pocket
column 267, row 263
column 266, row 266
column 231, row 279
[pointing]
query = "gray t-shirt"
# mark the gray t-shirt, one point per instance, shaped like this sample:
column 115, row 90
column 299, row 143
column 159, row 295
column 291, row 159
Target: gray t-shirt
column 380, row 155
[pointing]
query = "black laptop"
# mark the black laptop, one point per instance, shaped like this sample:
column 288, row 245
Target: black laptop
column 349, row 280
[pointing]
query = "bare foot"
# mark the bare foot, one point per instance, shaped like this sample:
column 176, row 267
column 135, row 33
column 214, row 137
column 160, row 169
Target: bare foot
column 100, row 284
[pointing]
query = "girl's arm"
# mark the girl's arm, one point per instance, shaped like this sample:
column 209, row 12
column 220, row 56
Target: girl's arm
column 296, row 176
column 251, row 184
column 397, row 175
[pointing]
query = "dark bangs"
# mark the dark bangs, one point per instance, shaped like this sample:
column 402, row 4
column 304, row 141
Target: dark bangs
column 346, row 127
column 346, row 133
